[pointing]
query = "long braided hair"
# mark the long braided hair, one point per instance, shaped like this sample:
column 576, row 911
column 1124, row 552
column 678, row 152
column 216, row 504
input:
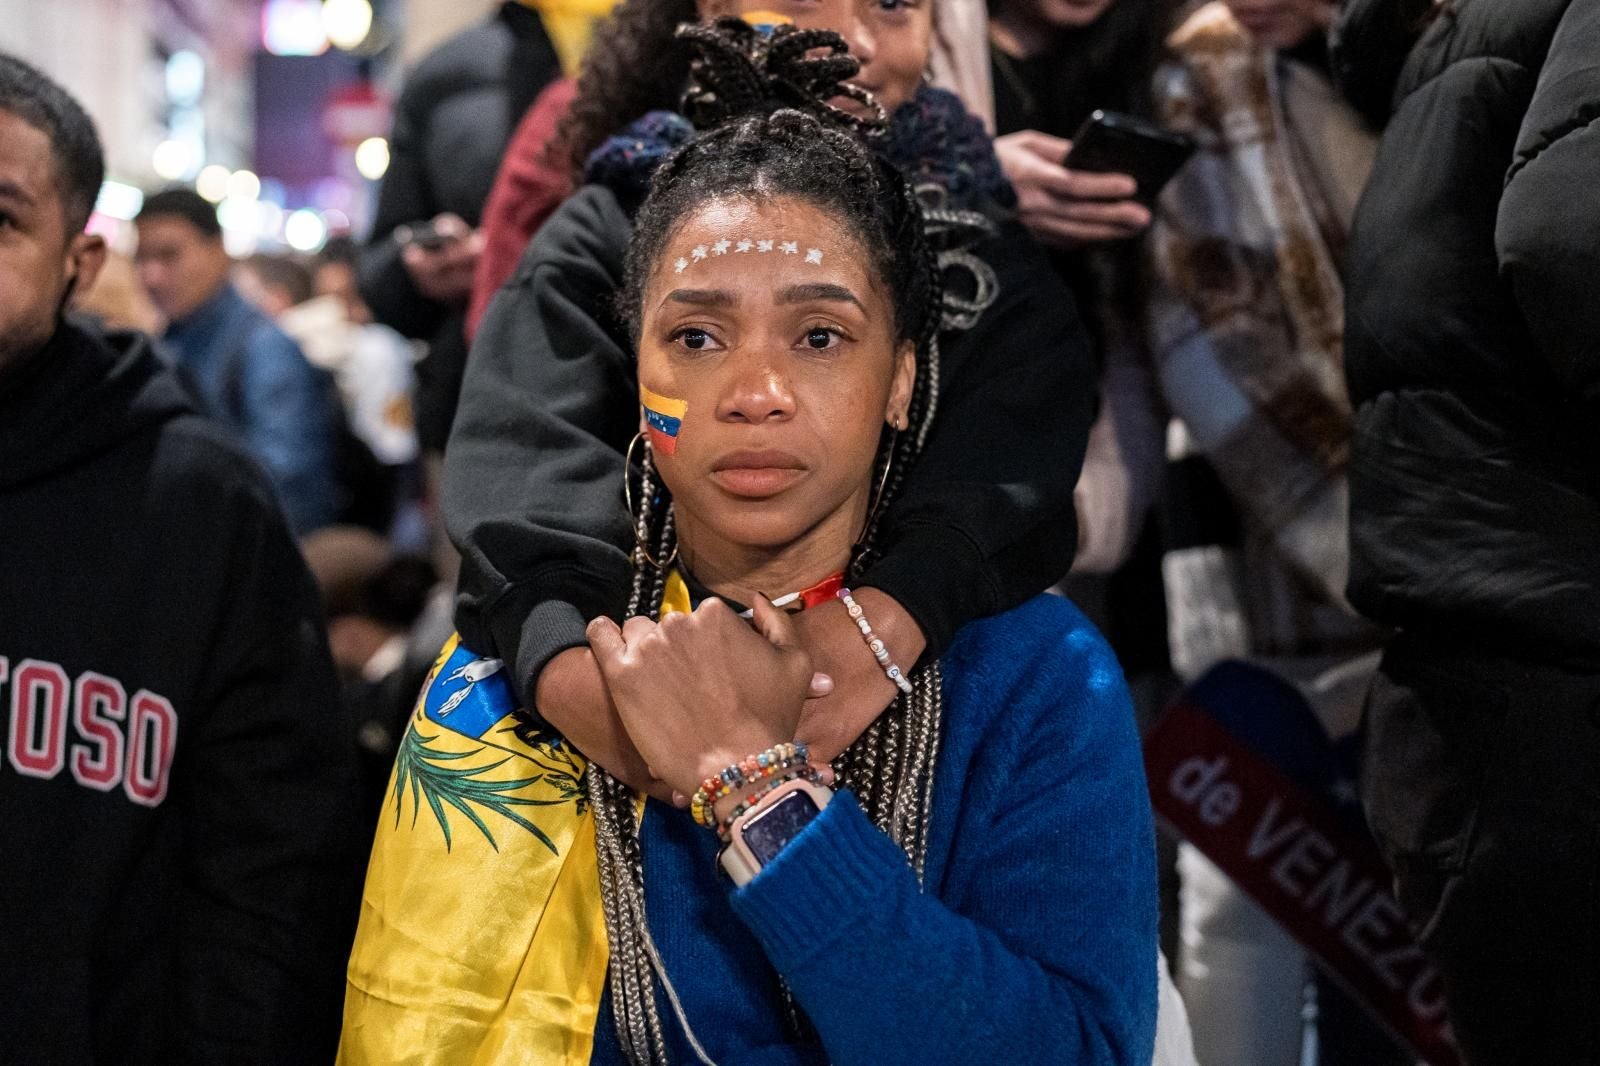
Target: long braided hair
column 771, row 133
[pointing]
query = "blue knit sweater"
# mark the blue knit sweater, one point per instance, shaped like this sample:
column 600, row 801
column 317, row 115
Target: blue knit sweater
column 1035, row 940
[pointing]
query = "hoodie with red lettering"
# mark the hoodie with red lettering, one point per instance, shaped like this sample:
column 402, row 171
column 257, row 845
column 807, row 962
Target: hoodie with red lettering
column 177, row 789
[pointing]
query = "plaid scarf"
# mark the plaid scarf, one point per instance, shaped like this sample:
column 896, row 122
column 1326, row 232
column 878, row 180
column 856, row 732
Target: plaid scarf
column 1247, row 328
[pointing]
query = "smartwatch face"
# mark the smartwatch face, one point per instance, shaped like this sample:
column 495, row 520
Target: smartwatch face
column 767, row 833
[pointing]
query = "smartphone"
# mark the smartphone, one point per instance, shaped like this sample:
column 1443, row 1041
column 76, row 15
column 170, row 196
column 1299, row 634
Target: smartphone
column 424, row 235
column 1110, row 142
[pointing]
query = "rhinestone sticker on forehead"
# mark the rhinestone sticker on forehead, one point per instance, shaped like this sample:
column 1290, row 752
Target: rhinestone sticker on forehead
column 742, row 247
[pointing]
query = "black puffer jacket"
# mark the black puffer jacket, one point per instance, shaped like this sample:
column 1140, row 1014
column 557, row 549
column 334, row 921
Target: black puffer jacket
column 1473, row 333
column 451, row 126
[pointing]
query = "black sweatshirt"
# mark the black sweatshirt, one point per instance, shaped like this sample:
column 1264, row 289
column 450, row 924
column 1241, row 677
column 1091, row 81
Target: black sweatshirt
column 533, row 475
column 178, row 790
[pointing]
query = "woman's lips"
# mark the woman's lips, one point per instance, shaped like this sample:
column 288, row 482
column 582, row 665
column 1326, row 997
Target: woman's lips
column 757, row 474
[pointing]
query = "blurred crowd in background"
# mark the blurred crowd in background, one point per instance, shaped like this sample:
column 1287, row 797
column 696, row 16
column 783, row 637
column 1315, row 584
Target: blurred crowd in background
column 312, row 204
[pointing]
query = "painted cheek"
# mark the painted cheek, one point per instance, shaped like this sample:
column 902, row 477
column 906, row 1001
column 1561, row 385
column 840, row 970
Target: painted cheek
column 664, row 419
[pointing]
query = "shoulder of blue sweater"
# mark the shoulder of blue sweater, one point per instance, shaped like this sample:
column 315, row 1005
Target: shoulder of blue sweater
column 1044, row 652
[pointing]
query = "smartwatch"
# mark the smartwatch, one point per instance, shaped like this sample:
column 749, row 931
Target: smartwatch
column 757, row 837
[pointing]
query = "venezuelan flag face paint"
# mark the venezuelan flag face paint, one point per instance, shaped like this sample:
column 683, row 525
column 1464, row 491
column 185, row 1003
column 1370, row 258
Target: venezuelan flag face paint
column 663, row 419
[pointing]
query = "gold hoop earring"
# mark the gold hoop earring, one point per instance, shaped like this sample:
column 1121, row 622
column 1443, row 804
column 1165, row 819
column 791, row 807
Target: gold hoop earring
column 627, row 494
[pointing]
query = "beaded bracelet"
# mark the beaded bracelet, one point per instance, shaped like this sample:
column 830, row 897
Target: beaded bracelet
column 805, row 772
column 879, row 650
column 777, row 758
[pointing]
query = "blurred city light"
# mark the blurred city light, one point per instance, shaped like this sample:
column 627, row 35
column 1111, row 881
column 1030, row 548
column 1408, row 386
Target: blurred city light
column 119, row 201
column 244, row 185
column 304, row 231
column 173, row 160
column 186, row 78
column 293, row 28
column 347, row 22
column 269, row 220
column 240, row 230
column 372, row 158
column 213, row 183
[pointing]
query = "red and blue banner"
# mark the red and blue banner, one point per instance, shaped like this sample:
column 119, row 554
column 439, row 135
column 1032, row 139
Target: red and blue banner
column 1240, row 766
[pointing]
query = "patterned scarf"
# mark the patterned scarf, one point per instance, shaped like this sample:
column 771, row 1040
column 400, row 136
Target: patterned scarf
column 1247, row 324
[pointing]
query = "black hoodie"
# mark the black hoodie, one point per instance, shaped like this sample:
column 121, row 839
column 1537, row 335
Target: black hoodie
column 177, row 789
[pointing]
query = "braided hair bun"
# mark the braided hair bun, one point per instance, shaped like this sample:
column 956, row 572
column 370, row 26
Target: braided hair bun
column 739, row 70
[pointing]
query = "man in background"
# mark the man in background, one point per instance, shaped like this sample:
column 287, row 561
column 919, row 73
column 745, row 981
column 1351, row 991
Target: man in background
column 245, row 367
column 179, row 784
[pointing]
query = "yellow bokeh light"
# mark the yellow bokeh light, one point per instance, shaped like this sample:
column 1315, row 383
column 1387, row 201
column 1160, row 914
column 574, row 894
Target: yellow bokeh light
column 372, row 158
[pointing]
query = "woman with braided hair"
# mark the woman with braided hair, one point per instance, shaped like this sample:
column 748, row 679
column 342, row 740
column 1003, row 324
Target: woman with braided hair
column 983, row 523
column 978, row 885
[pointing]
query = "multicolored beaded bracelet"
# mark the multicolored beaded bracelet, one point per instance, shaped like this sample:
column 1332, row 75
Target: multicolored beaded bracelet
column 880, row 651
column 775, row 759
column 806, row 772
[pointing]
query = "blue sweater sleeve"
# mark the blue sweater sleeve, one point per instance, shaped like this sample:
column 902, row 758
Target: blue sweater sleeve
column 1045, row 953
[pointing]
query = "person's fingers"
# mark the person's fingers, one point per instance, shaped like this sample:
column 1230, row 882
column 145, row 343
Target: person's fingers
column 635, row 628
column 450, row 224
column 1060, row 233
column 1089, row 185
column 774, row 624
column 1040, row 178
column 607, row 643
column 821, row 685
column 1128, row 214
column 454, row 261
column 1048, row 148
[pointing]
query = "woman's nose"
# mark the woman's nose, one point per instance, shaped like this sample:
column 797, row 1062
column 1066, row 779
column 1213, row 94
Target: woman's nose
column 757, row 393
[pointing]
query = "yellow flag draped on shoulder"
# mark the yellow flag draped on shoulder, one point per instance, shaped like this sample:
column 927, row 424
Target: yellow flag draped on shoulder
column 481, row 939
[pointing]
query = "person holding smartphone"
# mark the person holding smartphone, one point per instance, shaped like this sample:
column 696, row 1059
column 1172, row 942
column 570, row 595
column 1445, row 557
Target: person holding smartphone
column 452, row 123
column 1246, row 320
column 1053, row 63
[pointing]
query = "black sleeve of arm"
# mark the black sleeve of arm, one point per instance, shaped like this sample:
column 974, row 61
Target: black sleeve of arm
column 272, row 854
column 533, row 474
column 1549, row 224
column 985, row 520
column 404, row 197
